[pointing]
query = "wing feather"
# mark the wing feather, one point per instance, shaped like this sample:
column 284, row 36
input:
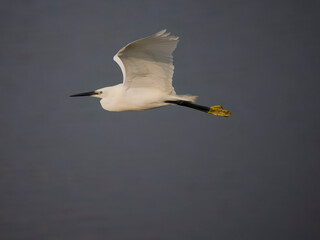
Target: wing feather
column 148, row 62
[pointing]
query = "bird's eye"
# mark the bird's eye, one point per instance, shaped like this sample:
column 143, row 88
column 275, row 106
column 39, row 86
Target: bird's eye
column 100, row 92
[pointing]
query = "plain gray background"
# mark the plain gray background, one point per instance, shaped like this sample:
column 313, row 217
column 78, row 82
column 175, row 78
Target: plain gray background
column 70, row 170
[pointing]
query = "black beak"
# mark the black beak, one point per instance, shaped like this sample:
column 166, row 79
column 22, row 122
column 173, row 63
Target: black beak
column 85, row 94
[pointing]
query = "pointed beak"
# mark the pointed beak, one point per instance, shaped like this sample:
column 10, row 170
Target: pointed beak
column 85, row 94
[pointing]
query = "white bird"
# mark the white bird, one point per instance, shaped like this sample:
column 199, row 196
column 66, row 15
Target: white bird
column 147, row 68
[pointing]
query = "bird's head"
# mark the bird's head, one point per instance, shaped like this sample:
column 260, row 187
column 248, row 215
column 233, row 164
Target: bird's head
column 99, row 93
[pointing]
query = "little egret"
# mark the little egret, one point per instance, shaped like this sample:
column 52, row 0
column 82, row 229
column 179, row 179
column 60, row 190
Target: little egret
column 147, row 68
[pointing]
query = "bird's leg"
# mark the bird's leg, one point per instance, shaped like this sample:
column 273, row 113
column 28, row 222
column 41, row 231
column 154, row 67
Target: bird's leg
column 215, row 110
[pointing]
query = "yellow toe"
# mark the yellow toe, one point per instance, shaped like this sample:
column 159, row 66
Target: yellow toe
column 219, row 111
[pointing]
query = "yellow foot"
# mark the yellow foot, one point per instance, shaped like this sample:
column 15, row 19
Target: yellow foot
column 219, row 111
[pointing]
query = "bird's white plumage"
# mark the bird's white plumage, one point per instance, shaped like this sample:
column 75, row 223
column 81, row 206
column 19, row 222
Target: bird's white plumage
column 147, row 68
column 148, row 62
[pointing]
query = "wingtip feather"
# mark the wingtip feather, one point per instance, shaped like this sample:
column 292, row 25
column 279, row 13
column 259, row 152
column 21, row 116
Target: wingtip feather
column 161, row 32
column 166, row 35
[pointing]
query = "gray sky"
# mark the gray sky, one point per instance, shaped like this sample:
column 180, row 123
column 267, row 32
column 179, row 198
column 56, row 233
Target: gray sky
column 70, row 170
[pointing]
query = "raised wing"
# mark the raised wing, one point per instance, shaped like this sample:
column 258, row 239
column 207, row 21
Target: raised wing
column 148, row 62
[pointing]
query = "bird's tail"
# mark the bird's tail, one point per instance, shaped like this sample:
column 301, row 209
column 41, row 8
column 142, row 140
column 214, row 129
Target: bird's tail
column 187, row 98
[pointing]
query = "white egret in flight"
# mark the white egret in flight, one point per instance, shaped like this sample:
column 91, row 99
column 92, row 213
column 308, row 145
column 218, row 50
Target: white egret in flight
column 147, row 68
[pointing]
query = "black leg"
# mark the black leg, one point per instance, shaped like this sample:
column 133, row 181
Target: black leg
column 190, row 105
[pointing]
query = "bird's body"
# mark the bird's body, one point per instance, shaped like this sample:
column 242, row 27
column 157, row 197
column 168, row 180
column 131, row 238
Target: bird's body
column 147, row 67
column 118, row 98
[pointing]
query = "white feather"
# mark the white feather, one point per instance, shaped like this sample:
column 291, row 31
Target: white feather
column 147, row 68
column 148, row 62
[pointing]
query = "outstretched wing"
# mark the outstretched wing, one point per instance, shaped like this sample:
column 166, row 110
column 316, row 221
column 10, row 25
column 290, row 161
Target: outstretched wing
column 148, row 62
